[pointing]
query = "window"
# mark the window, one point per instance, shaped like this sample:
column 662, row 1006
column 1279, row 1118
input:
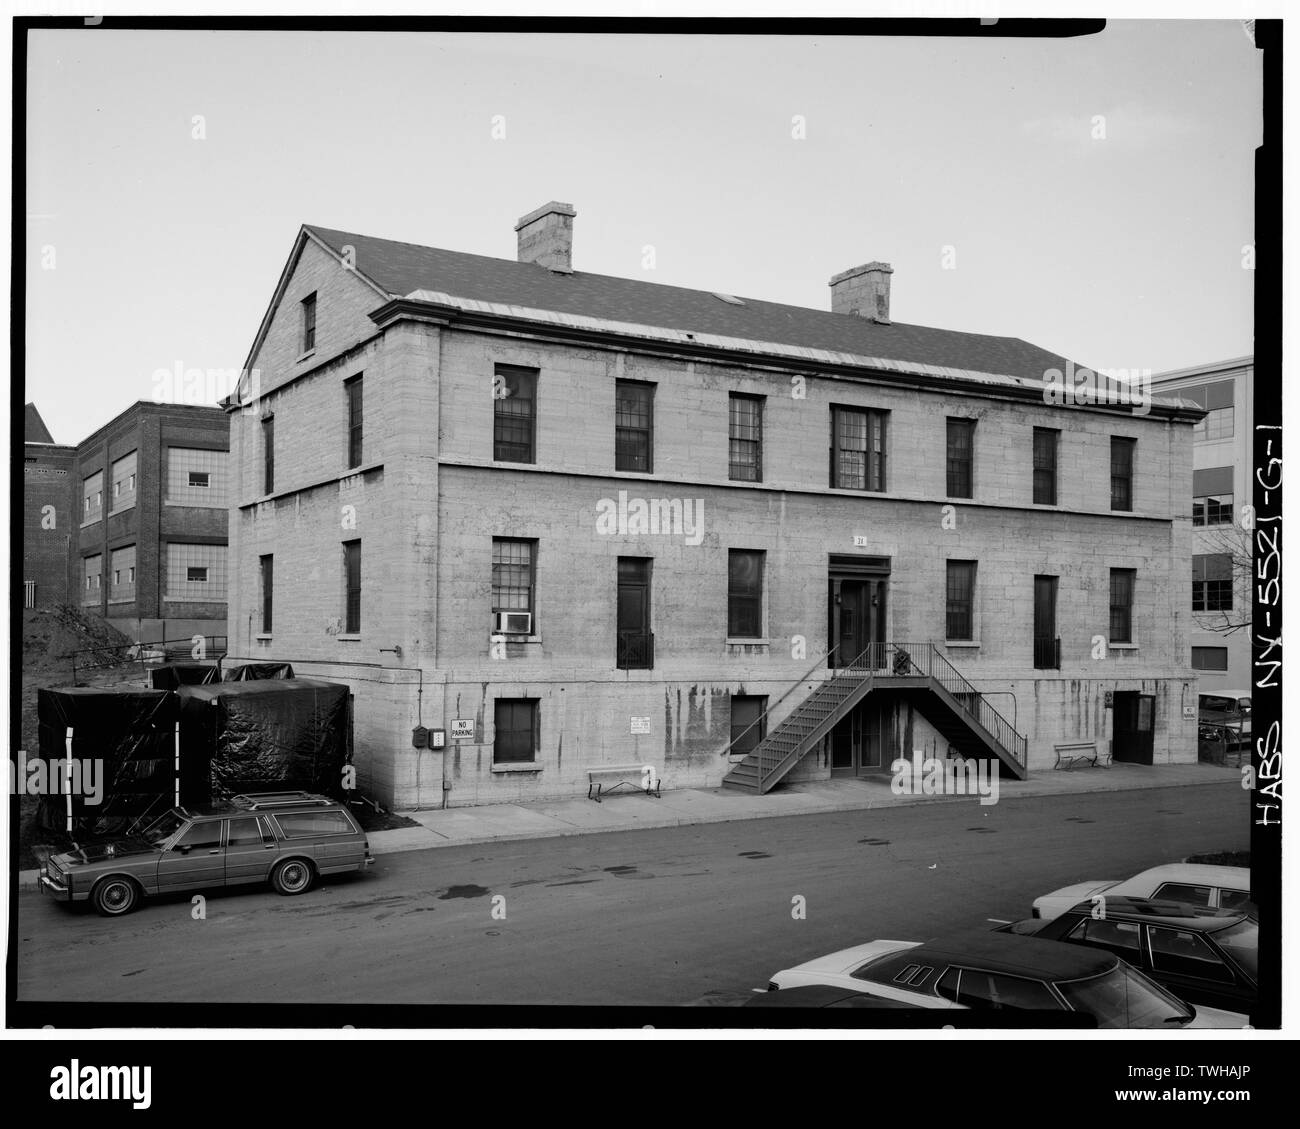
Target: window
column 1209, row 658
column 91, row 570
column 995, row 991
column 748, row 722
column 1121, row 937
column 195, row 572
column 961, row 451
column 353, row 390
column 1181, row 952
column 513, row 577
column 1184, row 893
column 122, row 566
column 199, row 478
column 744, row 594
column 1121, row 604
column 195, row 477
column 1212, row 496
column 243, row 832
column 124, row 482
column 268, row 454
column 1218, row 424
column 745, row 439
column 1045, row 443
column 516, row 731
column 1047, row 646
column 514, row 393
column 266, row 572
column 633, row 425
column 92, row 495
column 204, row 836
column 1121, row 472
column 635, row 643
column 1217, row 399
column 857, row 449
column 309, row 323
column 352, row 587
column 302, row 824
column 1211, row 582
column 961, row 600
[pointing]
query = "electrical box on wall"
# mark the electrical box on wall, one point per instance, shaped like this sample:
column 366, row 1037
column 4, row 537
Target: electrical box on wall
column 419, row 737
column 437, row 738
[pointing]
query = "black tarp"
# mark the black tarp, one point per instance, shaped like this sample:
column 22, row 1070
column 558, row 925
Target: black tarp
column 250, row 672
column 175, row 675
column 263, row 735
column 129, row 736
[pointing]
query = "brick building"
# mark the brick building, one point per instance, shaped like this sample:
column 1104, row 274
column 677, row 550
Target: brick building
column 47, row 511
column 151, row 509
column 1221, row 548
column 601, row 521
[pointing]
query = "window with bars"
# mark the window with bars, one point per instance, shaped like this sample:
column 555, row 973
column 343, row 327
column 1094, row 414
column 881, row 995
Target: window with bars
column 122, row 574
column 1045, row 444
column 513, row 576
column 514, row 427
column 92, row 497
column 268, row 454
column 196, row 477
column 857, row 449
column 1121, row 472
column 352, row 388
column 91, row 572
column 266, row 585
column 195, row 572
column 745, row 438
column 745, row 593
column 1211, row 582
column 633, row 426
column 517, row 725
column 309, row 323
column 124, row 482
column 960, row 617
column 352, row 587
column 961, row 457
column 1122, row 581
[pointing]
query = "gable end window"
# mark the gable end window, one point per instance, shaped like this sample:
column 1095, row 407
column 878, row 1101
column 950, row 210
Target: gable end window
column 309, row 323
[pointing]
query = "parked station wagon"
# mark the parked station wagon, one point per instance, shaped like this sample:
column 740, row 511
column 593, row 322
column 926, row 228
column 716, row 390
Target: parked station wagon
column 286, row 838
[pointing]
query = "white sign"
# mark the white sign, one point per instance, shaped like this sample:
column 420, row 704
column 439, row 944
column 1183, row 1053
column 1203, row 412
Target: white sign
column 640, row 725
column 859, row 542
column 1190, row 713
column 462, row 728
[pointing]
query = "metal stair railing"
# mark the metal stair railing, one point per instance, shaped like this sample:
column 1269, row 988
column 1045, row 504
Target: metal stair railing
column 761, row 719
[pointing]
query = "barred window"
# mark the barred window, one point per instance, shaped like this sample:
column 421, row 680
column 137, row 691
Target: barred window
column 961, row 454
column 514, row 395
column 196, row 477
column 1121, row 472
column 857, row 449
column 1211, row 582
column 195, row 572
column 1121, row 604
column 633, row 426
column 745, row 454
column 124, row 482
column 512, row 575
column 517, row 730
column 1045, row 442
column 745, row 593
column 960, row 600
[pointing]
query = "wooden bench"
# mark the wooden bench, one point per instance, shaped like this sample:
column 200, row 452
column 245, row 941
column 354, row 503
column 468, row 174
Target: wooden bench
column 1076, row 752
column 640, row 777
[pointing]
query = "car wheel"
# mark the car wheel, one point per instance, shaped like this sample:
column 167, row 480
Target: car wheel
column 293, row 876
column 115, row 896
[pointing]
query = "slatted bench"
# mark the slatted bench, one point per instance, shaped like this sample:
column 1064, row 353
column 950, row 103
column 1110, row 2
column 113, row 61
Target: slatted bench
column 631, row 776
column 1080, row 752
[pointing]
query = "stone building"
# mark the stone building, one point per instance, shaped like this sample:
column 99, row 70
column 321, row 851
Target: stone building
column 576, row 520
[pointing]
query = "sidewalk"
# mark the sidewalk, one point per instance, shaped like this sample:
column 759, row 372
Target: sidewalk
column 632, row 811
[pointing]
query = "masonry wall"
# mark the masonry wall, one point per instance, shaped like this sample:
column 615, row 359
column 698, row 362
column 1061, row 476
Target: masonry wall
column 47, row 520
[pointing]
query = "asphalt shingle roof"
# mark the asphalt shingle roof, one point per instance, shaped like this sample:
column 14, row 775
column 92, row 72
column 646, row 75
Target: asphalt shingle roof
column 401, row 268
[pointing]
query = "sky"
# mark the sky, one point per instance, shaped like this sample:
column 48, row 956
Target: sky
column 1092, row 196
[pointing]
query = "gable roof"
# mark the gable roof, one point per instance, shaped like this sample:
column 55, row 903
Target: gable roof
column 401, row 269
column 34, row 429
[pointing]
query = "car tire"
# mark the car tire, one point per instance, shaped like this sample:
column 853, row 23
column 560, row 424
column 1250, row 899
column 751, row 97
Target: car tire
column 293, row 876
column 115, row 895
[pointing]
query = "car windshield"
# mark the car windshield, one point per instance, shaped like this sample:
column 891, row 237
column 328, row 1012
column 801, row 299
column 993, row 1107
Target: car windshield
column 1241, row 942
column 1123, row 997
column 164, row 827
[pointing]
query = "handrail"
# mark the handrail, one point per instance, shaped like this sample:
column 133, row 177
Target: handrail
column 763, row 716
column 121, row 650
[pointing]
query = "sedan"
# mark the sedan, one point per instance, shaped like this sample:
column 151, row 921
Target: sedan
column 1212, row 887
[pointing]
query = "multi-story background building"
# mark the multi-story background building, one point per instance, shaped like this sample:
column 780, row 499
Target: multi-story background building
column 600, row 521
column 47, row 524
column 1220, row 596
column 151, row 509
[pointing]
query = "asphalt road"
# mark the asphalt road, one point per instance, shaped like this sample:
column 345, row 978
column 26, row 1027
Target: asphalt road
column 634, row 918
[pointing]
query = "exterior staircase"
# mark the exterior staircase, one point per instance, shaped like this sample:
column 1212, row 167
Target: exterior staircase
column 919, row 672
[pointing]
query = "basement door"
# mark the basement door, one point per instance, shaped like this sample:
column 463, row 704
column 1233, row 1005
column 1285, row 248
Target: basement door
column 1134, row 737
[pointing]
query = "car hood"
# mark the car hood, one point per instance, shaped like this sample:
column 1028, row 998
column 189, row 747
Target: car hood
column 98, row 852
column 1213, row 1017
column 1067, row 897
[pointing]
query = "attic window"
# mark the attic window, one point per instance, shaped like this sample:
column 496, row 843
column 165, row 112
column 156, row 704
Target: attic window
column 731, row 299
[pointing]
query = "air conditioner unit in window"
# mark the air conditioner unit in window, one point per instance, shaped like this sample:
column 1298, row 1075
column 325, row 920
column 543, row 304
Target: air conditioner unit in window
column 512, row 623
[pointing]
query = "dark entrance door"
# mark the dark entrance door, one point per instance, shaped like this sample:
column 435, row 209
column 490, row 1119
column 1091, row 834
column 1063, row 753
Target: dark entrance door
column 1134, row 727
column 858, row 743
column 857, row 619
column 635, row 643
column 1047, row 650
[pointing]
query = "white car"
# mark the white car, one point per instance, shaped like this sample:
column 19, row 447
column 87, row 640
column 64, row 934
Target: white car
column 1190, row 884
column 992, row 971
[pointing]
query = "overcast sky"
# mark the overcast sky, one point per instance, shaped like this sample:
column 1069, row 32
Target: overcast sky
column 1122, row 250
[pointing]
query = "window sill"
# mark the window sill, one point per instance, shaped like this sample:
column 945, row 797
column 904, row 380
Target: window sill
column 353, row 638
column 194, row 599
column 91, row 521
column 969, row 644
column 263, row 638
column 121, row 509
column 1121, row 646
column 740, row 642
column 525, row 766
column 502, row 637
column 304, row 356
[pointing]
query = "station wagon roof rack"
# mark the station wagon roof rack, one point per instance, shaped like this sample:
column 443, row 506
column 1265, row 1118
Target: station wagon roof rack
column 254, row 801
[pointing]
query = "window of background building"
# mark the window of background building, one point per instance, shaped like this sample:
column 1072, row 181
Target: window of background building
column 309, row 323
column 92, row 497
column 122, row 575
column 1045, row 444
column 514, row 426
column 196, row 477
column 352, row 587
column 857, row 449
column 1217, row 399
column 1121, row 472
column 633, row 426
column 1209, row 658
column 1121, row 604
column 745, row 438
column 513, row 577
column 266, row 584
column 745, row 593
column 353, row 390
column 961, row 458
column 1211, row 582
column 960, row 619
column 124, row 482
column 517, row 731
column 91, row 570
column 1212, row 496
column 195, row 572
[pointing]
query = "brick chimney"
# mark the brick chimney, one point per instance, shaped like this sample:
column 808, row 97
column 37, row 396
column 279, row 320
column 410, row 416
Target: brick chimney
column 863, row 291
column 546, row 237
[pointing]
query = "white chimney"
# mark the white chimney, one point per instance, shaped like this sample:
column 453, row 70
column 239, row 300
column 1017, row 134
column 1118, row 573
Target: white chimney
column 546, row 237
column 863, row 291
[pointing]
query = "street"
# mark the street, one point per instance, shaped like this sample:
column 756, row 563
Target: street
column 634, row 918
